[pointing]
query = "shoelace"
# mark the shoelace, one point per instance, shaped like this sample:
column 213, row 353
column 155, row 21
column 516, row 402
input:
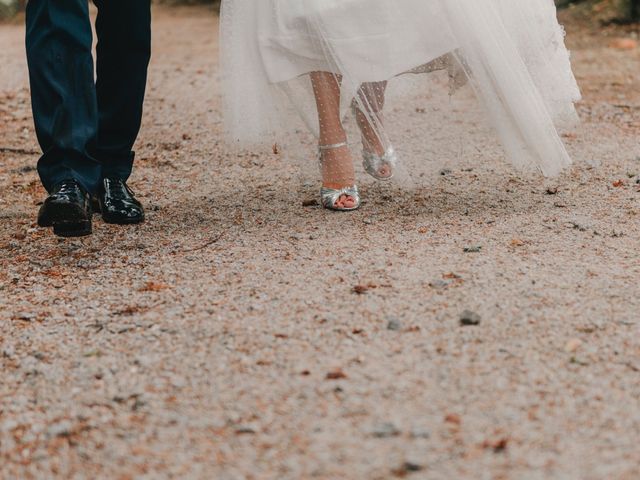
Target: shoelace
column 119, row 189
column 67, row 187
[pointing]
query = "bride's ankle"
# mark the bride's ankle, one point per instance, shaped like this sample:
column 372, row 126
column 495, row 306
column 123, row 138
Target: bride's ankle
column 370, row 139
column 336, row 166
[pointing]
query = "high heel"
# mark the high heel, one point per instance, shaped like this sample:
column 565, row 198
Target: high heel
column 371, row 161
column 329, row 197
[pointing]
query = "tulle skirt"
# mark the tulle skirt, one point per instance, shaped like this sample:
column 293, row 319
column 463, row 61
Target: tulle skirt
column 511, row 52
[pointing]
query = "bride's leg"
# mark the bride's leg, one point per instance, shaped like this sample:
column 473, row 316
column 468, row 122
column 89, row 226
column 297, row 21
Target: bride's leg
column 337, row 165
column 371, row 99
column 369, row 114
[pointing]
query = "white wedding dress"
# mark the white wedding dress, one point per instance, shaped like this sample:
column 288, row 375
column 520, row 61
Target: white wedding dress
column 512, row 52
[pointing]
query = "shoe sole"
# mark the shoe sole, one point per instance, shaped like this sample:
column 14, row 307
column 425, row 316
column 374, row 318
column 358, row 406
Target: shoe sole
column 337, row 209
column 67, row 221
column 114, row 220
column 72, row 229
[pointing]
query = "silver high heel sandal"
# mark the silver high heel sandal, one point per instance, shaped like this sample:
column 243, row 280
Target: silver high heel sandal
column 330, row 196
column 371, row 161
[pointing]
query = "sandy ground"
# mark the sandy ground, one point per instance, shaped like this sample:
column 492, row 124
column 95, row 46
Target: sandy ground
column 225, row 338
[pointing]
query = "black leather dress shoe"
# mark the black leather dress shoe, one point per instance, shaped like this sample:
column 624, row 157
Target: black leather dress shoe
column 118, row 203
column 67, row 210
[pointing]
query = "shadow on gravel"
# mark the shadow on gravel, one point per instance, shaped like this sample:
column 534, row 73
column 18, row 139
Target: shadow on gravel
column 490, row 196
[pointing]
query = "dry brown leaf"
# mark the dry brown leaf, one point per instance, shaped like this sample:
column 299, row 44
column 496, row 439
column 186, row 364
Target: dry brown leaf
column 154, row 287
column 360, row 289
column 498, row 446
column 453, row 418
column 336, row 374
column 452, row 276
column 624, row 44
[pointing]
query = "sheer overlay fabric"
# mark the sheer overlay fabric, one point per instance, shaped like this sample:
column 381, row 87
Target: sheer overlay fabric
column 511, row 52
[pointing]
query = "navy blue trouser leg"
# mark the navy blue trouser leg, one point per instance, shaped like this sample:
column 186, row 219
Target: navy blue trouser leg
column 63, row 90
column 87, row 129
column 123, row 28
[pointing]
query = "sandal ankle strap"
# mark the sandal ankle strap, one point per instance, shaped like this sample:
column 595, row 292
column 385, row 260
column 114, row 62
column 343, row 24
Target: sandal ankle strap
column 324, row 148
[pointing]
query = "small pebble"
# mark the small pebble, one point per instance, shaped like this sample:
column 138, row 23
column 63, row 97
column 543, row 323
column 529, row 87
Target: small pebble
column 420, row 433
column 439, row 284
column 573, row 345
column 60, row 429
column 8, row 351
column 407, row 468
column 394, row 325
column 469, row 318
column 25, row 317
column 245, row 430
column 385, row 430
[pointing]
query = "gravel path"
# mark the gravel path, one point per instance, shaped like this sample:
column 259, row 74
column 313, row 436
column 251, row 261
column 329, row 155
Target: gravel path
column 240, row 335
